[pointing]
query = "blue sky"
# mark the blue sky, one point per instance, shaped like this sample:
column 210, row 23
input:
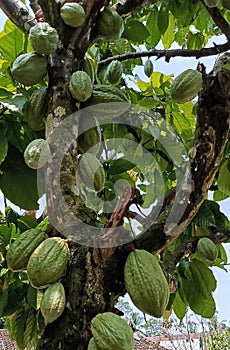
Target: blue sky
column 177, row 65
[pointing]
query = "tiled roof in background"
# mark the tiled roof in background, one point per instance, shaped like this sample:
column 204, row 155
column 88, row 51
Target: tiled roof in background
column 5, row 342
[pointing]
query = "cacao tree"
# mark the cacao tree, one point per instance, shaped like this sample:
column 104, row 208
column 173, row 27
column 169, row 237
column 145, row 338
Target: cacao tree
column 125, row 157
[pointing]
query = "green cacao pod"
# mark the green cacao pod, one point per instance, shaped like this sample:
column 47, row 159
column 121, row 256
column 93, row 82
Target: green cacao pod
column 29, row 68
column 146, row 283
column 43, row 38
column 53, row 302
column 110, row 25
column 21, row 249
column 114, row 72
column 112, row 332
column 80, row 86
column 48, row 262
column 73, row 14
column 88, row 68
column 91, row 172
column 225, row 4
column 36, row 153
column 90, row 139
column 36, row 109
column 92, row 345
column 211, row 3
column 107, row 93
column 186, row 86
column 148, row 68
column 206, row 249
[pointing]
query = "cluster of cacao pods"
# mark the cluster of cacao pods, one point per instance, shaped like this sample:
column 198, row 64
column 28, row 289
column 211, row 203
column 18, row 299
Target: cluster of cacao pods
column 45, row 260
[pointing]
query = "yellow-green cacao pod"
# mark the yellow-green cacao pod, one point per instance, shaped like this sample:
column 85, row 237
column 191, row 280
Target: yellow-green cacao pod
column 21, row 249
column 91, row 172
column 90, row 139
column 114, row 72
column 36, row 109
column 29, row 68
column 148, row 68
column 225, row 4
column 73, row 14
column 48, row 262
column 146, row 283
column 80, row 86
column 43, row 38
column 186, row 86
column 211, row 3
column 53, row 302
column 36, row 153
column 111, row 332
column 92, row 345
column 110, row 25
column 206, row 249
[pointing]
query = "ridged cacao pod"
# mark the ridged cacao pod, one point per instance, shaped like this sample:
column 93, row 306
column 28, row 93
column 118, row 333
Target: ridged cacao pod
column 225, row 4
column 186, row 86
column 43, row 38
column 146, row 283
column 73, row 14
column 88, row 68
column 91, row 172
column 92, row 345
column 111, row 332
column 114, row 72
column 48, row 262
column 36, row 109
column 53, row 302
column 29, row 68
column 206, row 249
column 21, row 249
column 110, row 25
column 80, row 86
column 148, row 68
column 36, row 153
column 90, row 139
column 107, row 93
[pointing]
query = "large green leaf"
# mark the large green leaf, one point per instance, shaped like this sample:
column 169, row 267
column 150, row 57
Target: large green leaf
column 135, row 31
column 12, row 42
column 18, row 182
column 223, row 181
column 3, row 146
column 154, row 31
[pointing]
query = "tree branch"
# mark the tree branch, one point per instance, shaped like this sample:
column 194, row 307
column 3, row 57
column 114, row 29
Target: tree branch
column 168, row 54
column 18, row 15
column 51, row 11
column 34, row 6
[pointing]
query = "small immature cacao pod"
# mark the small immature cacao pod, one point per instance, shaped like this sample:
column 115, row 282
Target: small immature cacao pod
column 29, row 68
column 91, row 172
column 53, row 302
column 73, row 14
column 110, row 25
column 80, row 86
column 36, row 153
column 48, row 262
column 89, row 139
column 146, row 283
column 206, row 249
column 186, row 86
column 20, row 251
column 111, row 332
column 114, row 72
column 43, row 38
column 148, row 68
column 36, row 109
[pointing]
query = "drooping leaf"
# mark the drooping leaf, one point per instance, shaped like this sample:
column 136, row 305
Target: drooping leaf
column 223, row 180
column 18, row 182
column 135, row 31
